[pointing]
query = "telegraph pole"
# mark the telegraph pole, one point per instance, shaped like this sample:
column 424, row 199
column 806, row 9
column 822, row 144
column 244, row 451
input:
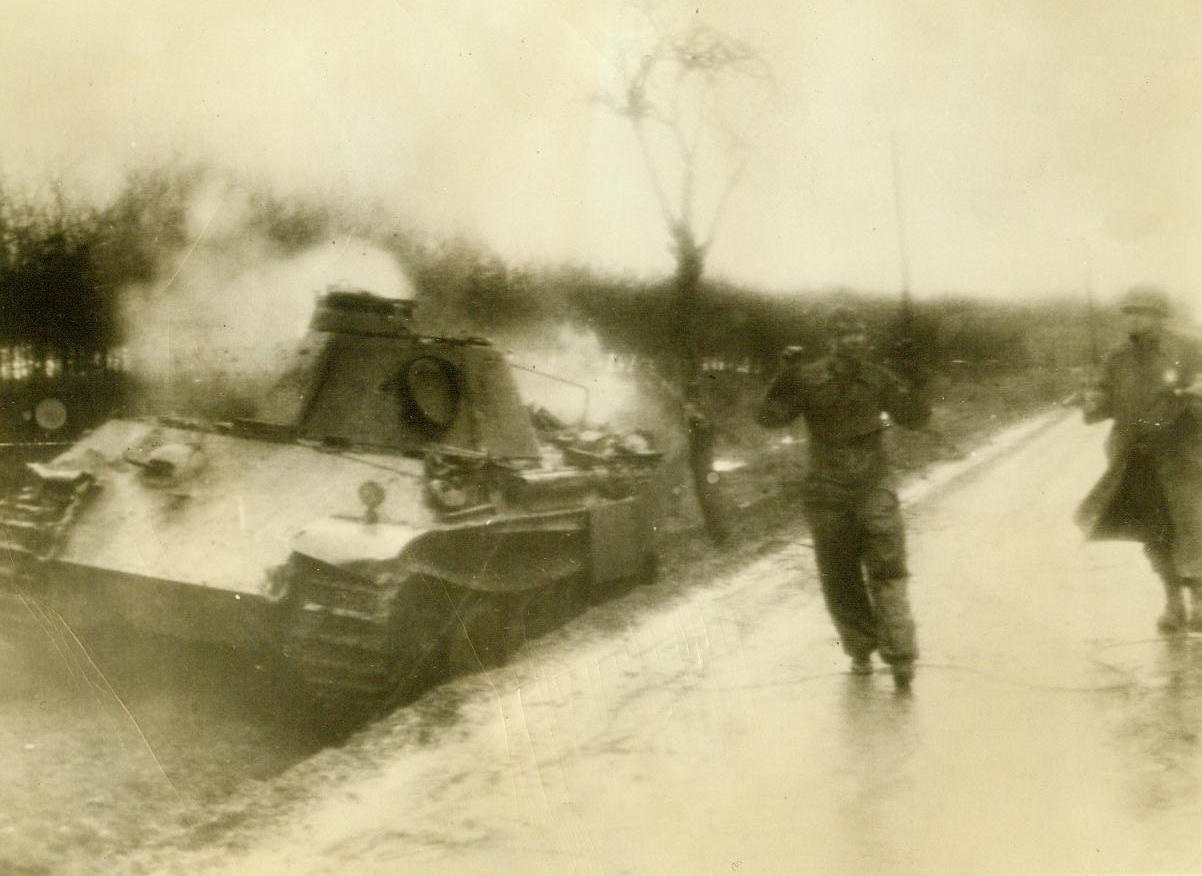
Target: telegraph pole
column 907, row 307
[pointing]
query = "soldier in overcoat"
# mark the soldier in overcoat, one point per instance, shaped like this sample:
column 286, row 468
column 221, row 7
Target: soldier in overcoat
column 849, row 495
column 1151, row 491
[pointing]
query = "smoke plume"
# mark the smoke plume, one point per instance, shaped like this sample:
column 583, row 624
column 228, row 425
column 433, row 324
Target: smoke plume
column 214, row 329
column 567, row 372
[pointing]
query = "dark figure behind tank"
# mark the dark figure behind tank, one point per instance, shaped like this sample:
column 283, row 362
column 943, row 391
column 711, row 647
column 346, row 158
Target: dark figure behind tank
column 1151, row 492
column 850, row 497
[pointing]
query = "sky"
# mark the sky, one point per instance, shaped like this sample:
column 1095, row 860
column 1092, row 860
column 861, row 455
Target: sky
column 1015, row 148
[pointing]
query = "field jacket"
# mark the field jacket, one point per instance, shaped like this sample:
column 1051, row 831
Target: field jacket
column 846, row 406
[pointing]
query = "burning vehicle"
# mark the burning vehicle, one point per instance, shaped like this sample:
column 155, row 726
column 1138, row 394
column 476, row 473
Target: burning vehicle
column 393, row 512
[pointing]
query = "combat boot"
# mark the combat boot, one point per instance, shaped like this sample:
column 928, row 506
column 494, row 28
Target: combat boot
column 861, row 664
column 1173, row 619
column 1195, row 609
column 898, row 641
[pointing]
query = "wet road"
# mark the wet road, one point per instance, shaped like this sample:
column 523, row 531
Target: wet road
column 1049, row 729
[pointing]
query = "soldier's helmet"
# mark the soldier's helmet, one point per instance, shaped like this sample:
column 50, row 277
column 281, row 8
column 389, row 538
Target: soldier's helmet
column 1145, row 299
column 846, row 321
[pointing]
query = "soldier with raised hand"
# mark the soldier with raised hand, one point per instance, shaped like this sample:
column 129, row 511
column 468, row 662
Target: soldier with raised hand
column 850, row 497
column 1151, row 492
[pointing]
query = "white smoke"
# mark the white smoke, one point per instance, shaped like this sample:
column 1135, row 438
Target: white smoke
column 221, row 319
column 572, row 376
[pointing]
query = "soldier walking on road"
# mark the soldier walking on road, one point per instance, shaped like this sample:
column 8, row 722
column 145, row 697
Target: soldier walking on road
column 850, row 498
column 1151, row 491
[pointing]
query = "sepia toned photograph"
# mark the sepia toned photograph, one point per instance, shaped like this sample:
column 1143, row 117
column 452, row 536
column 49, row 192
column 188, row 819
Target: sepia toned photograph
column 600, row 437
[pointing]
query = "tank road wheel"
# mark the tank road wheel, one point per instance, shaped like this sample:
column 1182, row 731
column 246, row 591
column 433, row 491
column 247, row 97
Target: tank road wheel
column 488, row 628
column 598, row 592
column 514, row 609
column 418, row 628
column 362, row 642
column 553, row 606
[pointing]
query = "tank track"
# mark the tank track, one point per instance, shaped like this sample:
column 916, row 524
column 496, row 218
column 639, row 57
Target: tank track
column 34, row 519
column 357, row 642
column 341, row 638
column 372, row 635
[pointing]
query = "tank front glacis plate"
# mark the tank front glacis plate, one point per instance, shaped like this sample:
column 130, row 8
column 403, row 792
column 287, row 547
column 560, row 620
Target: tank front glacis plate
column 234, row 509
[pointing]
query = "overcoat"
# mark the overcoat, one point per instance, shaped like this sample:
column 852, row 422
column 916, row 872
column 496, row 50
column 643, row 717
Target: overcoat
column 1152, row 487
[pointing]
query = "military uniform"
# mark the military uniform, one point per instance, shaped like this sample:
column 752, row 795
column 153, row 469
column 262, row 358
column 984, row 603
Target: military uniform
column 850, row 498
column 1151, row 491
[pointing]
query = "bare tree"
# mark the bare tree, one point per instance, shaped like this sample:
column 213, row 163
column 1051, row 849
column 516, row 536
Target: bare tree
column 680, row 100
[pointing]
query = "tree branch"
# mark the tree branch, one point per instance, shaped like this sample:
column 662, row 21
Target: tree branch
column 728, row 188
column 661, row 195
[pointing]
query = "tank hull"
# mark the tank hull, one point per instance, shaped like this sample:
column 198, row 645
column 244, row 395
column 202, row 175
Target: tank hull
column 360, row 613
column 232, row 510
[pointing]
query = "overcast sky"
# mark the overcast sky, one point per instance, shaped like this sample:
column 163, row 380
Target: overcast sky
column 1034, row 137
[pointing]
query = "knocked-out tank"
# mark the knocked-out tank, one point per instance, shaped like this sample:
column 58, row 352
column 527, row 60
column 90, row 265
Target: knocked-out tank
column 391, row 511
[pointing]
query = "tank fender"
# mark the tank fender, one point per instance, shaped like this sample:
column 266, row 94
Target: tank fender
column 505, row 554
column 605, row 542
column 340, row 541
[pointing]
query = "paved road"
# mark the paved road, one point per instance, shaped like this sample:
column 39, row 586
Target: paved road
column 1049, row 729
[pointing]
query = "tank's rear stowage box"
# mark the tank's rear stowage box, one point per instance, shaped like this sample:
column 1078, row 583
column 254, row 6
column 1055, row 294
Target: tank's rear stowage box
column 390, row 512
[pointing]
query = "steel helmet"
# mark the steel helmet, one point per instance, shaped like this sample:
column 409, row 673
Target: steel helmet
column 1145, row 299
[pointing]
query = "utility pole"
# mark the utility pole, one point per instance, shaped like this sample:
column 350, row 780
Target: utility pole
column 907, row 307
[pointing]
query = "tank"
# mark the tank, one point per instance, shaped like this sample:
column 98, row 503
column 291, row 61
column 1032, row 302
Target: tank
column 393, row 512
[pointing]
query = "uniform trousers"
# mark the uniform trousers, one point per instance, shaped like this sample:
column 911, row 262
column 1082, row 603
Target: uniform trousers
column 859, row 545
